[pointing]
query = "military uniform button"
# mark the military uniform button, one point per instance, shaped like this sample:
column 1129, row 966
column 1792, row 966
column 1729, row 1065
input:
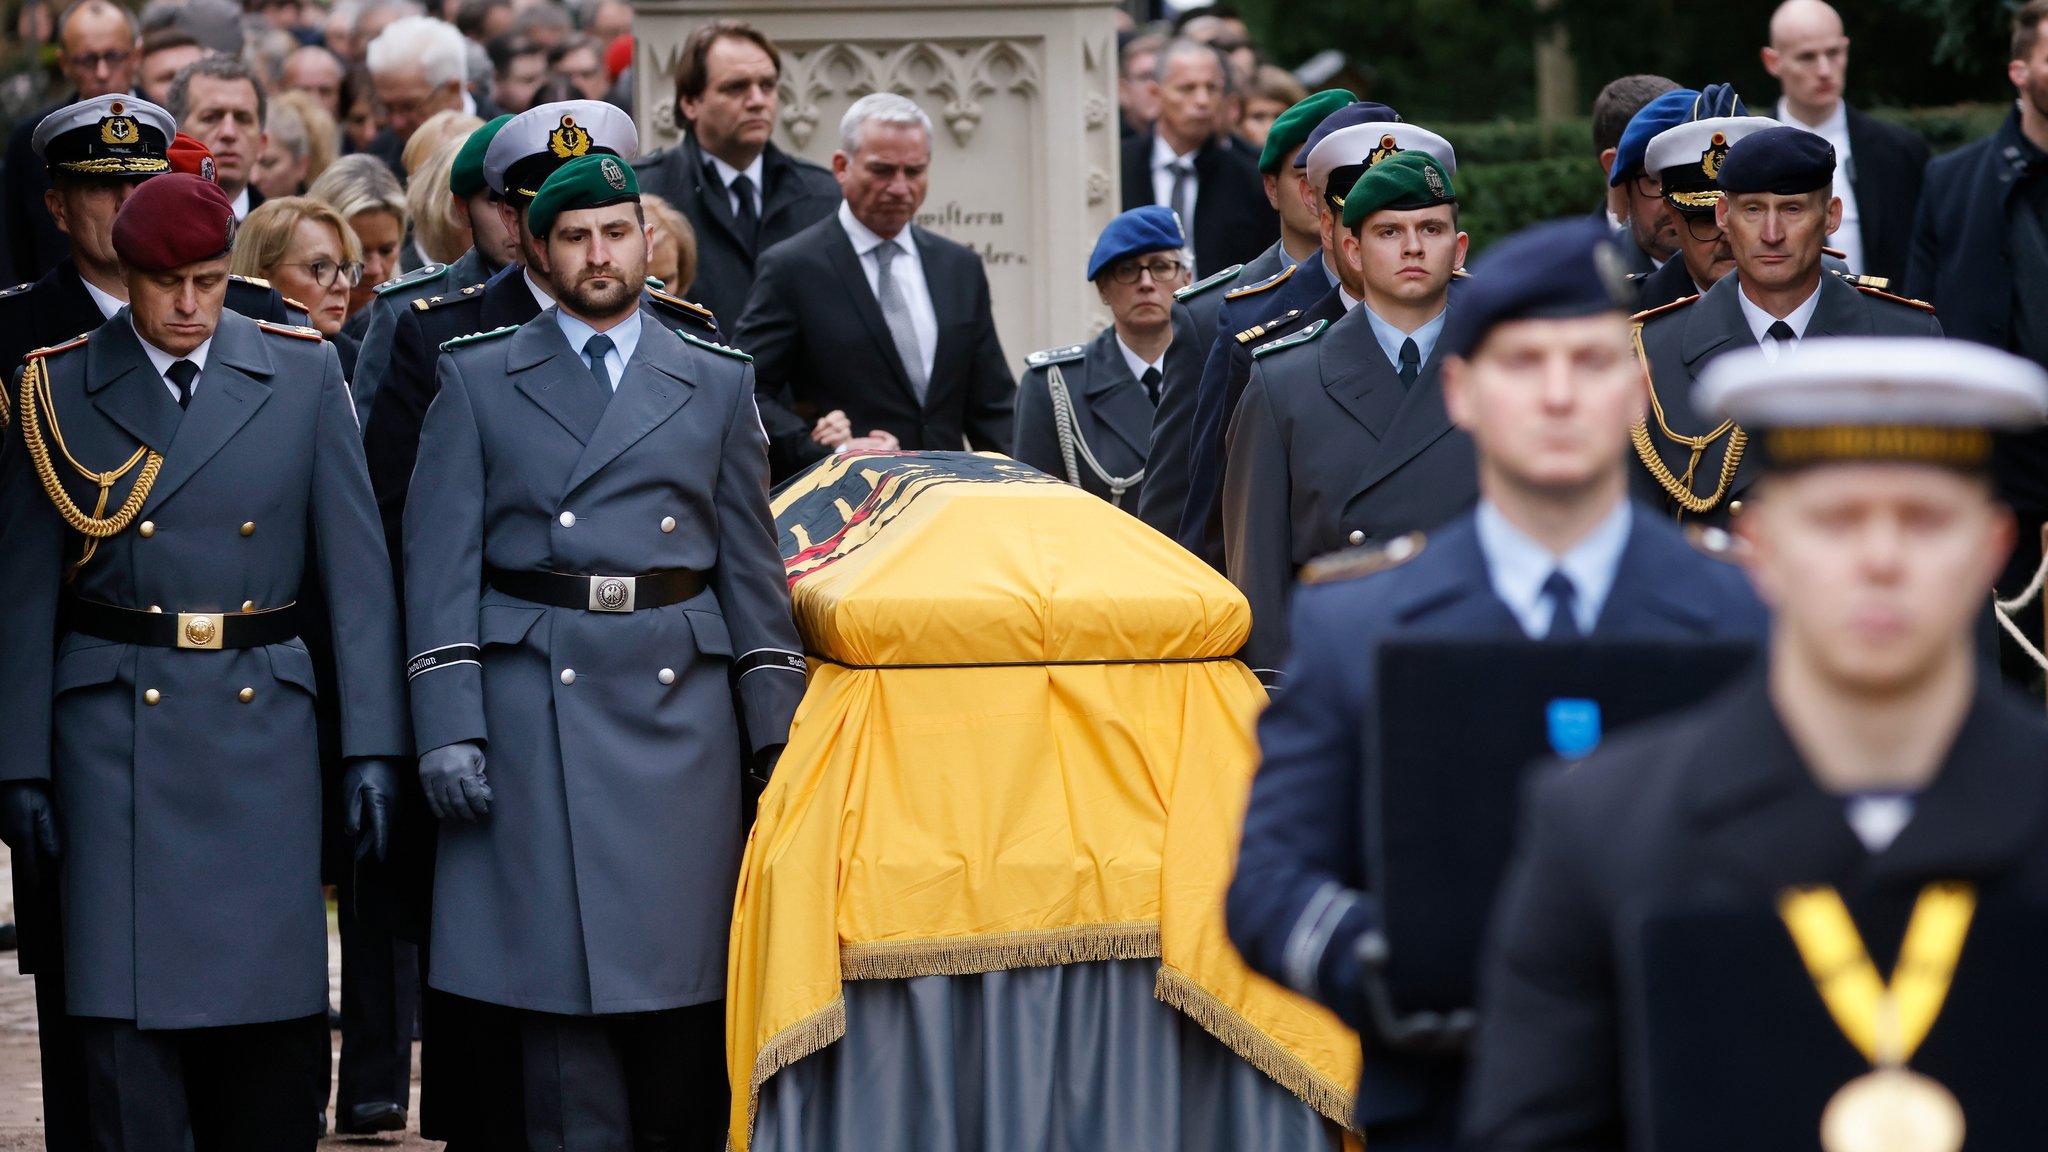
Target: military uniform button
column 156, row 608
column 568, row 519
column 148, row 529
column 668, row 523
column 666, row 675
column 152, row 696
column 246, row 695
column 568, row 675
column 1735, row 507
column 248, row 605
column 249, row 528
column 1357, row 537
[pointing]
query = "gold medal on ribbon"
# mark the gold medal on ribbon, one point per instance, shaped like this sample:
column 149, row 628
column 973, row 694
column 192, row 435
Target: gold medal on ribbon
column 1891, row 1109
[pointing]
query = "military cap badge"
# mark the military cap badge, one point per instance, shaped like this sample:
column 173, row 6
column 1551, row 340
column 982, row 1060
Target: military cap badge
column 613, row 174
column 1387, row 148
column 118, row 129
column 1716, row 153
column 569, row 140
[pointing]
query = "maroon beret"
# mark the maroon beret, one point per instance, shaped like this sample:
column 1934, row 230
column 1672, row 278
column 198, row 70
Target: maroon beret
column 173, row 220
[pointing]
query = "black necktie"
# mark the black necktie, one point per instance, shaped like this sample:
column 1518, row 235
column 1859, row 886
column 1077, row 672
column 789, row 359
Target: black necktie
column 1411, row 362
column 749, row 217
column 1781, row 332
column 1564, row 622
column 1151, row 382
column 182, row 373
column 595, row 350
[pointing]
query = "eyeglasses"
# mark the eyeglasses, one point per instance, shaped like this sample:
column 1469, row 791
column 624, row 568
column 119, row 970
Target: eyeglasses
column 1649, row 187
column 1161, row 271
column 325, row 272
column 92, row 61
column 1702, row 226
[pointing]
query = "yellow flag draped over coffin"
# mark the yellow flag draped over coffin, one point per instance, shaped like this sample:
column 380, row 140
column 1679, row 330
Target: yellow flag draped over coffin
column 1023, row 743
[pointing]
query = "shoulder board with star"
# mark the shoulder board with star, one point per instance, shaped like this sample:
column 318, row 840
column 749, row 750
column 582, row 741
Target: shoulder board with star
column 1718, row 543
column 1653, row 313
column 1208, row 282
column 298, row 330
column 66, row 346
column 1056, row 355
column 1302, row 337
column 1881, row 283
column 1352, row 563
column 477, row 337
column 721, row 349
column 677, row 306
column 428, row 303
column 1257, row 330
column 423, row 272
column 1273, row 281
column 1881, row 294
column 17, row 290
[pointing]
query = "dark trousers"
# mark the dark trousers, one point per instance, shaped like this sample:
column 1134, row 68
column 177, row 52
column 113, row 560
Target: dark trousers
column 640, row 1082
column 380, row 998
column 63, row 1065
column 210, row 1089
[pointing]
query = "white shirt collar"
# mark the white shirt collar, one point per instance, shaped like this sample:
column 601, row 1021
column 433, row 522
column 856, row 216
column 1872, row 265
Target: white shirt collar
column 107, row 304
column 468, row 102
column 866, row 240
column 1517, row 567
column 1835, row 127
column 1136, row 363
column 1163, row 153
column 1760, row 321
column 162, row 360
column 545, row 298
column 727, row 173
column 1344, row 295
column 625, row 337
column 240, row 204
column 1391, row 338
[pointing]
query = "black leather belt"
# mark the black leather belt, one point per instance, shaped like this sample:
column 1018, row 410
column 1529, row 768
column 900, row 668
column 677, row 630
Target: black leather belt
column 599, row 593
column 209, row 631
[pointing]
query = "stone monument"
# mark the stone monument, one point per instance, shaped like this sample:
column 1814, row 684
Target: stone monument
column 1022, row 96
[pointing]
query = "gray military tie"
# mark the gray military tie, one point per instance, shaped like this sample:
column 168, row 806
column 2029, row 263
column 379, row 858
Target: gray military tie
column 1411, row 362
column 595, row 350
column 896, row 314
column 1183, row 191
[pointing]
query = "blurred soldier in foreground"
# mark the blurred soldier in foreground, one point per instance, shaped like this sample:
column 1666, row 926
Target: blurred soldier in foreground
column 1811, row 906
column 1538, row 372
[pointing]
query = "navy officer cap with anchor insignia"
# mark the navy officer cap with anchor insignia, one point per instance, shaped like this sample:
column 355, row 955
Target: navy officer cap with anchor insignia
column 116, row 137
column 530, row 146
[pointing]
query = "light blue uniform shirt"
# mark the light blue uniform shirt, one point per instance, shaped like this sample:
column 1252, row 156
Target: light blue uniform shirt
column 1518, row 566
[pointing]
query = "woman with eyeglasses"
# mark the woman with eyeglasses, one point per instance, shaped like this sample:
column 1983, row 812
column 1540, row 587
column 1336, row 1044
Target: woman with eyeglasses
column 1084, row 413
column 307, row 252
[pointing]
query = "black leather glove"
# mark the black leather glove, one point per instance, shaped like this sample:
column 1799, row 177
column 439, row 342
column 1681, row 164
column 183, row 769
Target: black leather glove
column 369, row 797
column 28, row 825
column 453, row 777
column 763, row 769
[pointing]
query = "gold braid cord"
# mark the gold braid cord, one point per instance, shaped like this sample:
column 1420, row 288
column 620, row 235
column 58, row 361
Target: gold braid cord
column 1680, row 487
column 36, row 407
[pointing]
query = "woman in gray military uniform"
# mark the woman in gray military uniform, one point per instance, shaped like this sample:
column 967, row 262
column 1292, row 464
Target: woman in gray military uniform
column 1084, row 413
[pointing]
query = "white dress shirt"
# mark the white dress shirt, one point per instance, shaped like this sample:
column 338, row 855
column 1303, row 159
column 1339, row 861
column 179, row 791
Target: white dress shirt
column 1138, row 364
column 1163, row 159
column 101, row 300
column 162, row 361
column 625, row 337
column 1391, row 338
column 240, row 204
column 907, row 269
column 727, row 174
column 540, row 294
column 1517, row 567
column 1835, row 130
column 1760, row 321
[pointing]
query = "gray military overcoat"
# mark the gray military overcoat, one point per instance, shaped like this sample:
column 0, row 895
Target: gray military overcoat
column 602, row 880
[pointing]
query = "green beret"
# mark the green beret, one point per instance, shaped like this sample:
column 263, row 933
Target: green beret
column 466, row 178
column 1404, row 182
column 585, row 182
column 1291, row 128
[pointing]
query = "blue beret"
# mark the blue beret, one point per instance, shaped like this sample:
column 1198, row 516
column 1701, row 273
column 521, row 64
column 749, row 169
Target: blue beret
column 1718, row 100
column 1666, row 111
column 1349, row 116
column 1560, row 269
column 1786, row 161
column 1153, row 228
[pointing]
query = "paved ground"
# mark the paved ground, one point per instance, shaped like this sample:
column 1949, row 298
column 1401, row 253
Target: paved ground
column 21, row 1112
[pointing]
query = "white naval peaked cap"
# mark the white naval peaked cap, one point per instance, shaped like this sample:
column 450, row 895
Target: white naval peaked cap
column 128, row 136
column 1368, row 144
column 1688, row 143
column 1873, row 381
column 551, row 135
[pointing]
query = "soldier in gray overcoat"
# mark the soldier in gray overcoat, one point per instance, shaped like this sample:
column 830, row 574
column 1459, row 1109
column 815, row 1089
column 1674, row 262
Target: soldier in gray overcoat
column 591, row 580
column 158, row 701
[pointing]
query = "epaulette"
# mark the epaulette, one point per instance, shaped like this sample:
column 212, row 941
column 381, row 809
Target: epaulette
column 1273, row 281
column 1460, row 274
column 474, row 337
column 1881, row 283
column 1056, row 355
column 1208, row 282
column 1257, row 330
column 718, row 348
column 66, row 346
column 1881, row 294
column 17, row 290
column 423, row 272
column 1650, row 313
column 295, row 304
column 656, row 282
column 298, row 330
column 424, row 303
column 1718, row 543
column 1837, row 253
column 1351, row 563
column 1302, row 337
column 695, row 312
column 1635, row 276
column 255, row 281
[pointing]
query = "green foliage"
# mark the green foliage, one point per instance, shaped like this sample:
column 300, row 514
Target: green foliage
column 1432, row 59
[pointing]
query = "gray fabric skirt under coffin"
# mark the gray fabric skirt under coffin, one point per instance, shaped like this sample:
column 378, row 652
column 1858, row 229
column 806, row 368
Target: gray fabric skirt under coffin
column 1077, row 1058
